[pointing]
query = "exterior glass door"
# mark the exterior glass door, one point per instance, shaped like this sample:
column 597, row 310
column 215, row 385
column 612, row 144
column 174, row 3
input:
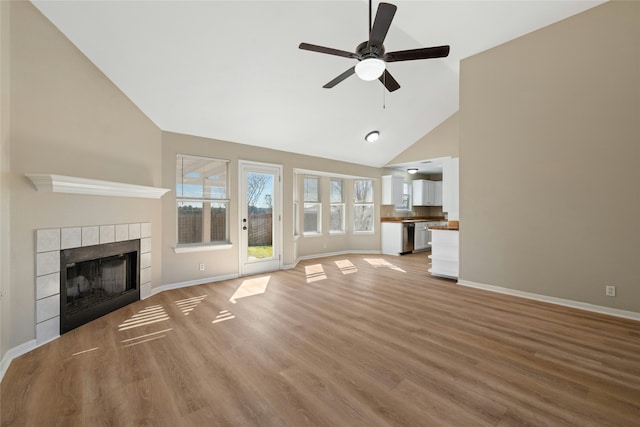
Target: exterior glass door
column 260, row 217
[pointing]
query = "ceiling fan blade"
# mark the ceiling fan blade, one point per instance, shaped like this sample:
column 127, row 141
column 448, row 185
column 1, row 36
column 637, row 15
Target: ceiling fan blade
column 422, row 53
column 381, row 25
column 388, row 81
column 340, row 78
column 328, row 50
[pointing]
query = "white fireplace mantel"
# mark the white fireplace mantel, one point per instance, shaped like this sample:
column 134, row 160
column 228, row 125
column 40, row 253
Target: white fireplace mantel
column 71, row 184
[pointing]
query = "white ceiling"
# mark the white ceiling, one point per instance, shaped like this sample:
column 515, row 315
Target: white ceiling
column 232, row 70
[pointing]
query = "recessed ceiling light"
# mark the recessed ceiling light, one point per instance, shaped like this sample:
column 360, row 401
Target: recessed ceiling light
column 372, row 136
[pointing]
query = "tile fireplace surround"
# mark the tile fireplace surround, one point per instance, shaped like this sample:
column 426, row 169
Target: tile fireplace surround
column 49, row 243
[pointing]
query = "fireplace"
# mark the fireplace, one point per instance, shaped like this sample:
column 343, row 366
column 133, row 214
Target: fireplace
column 109, row 242
column 95, row 280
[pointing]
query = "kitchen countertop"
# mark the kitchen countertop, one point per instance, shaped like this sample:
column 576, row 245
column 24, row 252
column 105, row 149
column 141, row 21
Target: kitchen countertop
column 412, row 219
column 444, row 227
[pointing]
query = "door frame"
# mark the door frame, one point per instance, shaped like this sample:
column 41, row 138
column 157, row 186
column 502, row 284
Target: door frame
column 244, row 269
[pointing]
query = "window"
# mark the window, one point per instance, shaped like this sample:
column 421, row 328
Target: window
column 312, row 205
column 201, row 196
column 296, row 213
column 336, row 220
column 405, row 204
column 363, row 205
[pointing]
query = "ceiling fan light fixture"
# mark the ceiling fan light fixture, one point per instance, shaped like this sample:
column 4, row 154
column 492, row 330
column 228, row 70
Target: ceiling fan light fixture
column 370, row 69
column 412, row 171
column 372, row 136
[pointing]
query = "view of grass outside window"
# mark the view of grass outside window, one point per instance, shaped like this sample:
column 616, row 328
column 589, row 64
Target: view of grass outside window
column 363, row 205
column 312, row 205
column 202, row 203
column 336, row 220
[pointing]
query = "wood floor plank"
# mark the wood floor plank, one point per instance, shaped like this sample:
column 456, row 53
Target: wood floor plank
column 353, row 340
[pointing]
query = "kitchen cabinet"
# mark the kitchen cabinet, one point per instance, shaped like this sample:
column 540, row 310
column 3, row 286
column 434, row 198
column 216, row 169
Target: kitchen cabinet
column 438, row 196
column 392, row 190
column 421, row 236
column 391, row 233
column 450, row 188
column 424, row 192
column 444, row 253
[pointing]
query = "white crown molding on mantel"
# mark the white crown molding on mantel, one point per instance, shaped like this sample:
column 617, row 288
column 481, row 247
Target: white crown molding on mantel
column 75, row 185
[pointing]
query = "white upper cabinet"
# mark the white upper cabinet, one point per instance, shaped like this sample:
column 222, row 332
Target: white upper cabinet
column 424, row 193
column 438, row 197
column 450, row 188
column 392, row 190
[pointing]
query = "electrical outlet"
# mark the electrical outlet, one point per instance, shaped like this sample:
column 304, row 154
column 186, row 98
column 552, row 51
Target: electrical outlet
column 201, row 267
column 610, row 291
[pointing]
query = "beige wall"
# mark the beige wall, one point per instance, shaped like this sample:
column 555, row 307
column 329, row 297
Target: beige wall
column 442, row 141
column 67, row 118
column 183, row 267
column 4, row 185
column 549, row 155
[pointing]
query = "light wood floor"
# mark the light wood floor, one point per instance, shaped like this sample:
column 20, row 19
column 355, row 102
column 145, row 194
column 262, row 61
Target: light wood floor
column 370, row 341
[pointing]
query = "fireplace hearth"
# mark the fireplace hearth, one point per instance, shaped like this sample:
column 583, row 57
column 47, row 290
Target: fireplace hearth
column 95, row 280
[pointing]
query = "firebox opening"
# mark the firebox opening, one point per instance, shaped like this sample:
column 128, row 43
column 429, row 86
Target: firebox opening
column 96, row 280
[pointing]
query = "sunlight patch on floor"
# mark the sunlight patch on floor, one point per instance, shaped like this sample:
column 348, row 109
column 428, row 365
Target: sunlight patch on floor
column 314, row 273
column 145, row 338
column 382, row 263
column 250, row 287
column 187, row 305
column 346, row 266
column 84, row 351
column 224, row 315
column 146, row 316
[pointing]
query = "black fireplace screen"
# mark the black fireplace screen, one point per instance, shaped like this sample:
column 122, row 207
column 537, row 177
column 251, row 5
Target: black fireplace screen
column 96, row 280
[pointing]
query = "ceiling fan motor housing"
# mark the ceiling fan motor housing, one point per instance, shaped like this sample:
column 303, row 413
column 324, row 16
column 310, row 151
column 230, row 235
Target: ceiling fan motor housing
column 365, row 51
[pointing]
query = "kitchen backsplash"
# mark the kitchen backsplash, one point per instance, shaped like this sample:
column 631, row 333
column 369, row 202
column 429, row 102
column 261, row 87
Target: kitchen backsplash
column 421, row 211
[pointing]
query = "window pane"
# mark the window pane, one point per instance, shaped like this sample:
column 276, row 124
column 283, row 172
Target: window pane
column 405, row 204
column 296, row 214
column 189, row 222
column 311, row 189
column 337, row 218
column 198, row 178
column 363, row 191
column 336, row 191
column 218, row 222
column 205, row 219
column 311, row 218
column 363, row 218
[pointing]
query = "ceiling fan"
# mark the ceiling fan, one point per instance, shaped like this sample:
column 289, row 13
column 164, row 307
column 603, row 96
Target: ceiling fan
column 371, row 55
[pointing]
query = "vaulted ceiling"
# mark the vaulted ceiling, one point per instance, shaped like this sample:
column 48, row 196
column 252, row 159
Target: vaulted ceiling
column 232, row 70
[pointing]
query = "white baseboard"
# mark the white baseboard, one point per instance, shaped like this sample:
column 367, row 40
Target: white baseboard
column 553, row 300
column 188, row 283
column 14, row 352
column 328, row 254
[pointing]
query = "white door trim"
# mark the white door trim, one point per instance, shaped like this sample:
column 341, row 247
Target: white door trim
column 277, row 204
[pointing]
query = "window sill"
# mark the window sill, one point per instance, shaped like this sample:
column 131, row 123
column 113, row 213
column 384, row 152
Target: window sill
column 201, row 248
column 312, row 235
column 364, row 232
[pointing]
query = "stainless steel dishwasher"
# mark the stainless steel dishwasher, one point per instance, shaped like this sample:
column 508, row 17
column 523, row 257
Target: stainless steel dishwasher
column 408, row 236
